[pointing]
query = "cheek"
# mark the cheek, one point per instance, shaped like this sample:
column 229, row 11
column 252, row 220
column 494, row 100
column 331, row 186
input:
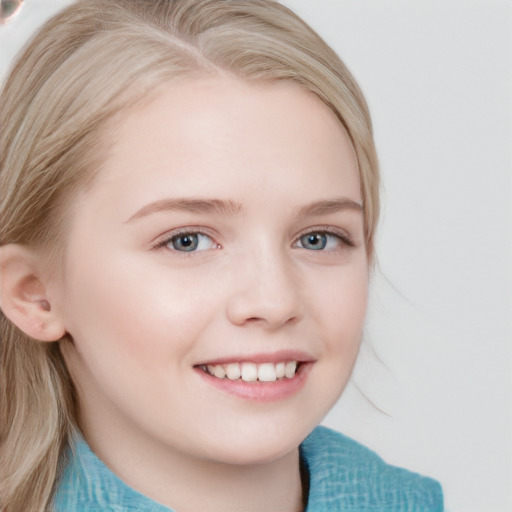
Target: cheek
column 121, row 310
column 339, row 314
column 133, row 332
column 343, row 302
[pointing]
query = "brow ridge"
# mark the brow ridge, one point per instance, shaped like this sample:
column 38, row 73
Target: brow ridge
column 193, row 205
column 232, row 208
column 326, row 207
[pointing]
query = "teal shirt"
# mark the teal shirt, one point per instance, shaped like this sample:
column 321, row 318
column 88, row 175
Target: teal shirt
column 344, row 476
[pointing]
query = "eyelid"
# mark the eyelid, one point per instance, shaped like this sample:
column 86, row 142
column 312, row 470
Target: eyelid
column 162, row 241
column 339, row 233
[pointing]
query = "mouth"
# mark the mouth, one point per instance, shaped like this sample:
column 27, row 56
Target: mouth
column 259, row 377
column 253, row 372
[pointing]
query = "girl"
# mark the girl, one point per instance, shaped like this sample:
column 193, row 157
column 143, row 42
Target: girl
column 189, row 202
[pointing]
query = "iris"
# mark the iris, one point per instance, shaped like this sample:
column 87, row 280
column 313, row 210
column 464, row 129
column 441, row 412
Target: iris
column 314, row 241
column 187, row 242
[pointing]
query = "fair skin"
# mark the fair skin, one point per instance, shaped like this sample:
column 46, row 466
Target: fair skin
column 224, row 227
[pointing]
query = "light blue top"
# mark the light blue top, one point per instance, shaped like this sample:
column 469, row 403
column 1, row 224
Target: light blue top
column 344, row 476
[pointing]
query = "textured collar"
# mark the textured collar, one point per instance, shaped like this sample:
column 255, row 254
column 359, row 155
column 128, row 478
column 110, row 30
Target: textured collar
column 344, row 476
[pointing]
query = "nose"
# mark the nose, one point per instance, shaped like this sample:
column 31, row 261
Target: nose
column 266, row 292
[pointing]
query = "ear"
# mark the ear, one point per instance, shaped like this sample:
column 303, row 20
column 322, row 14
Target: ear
column 24, row 295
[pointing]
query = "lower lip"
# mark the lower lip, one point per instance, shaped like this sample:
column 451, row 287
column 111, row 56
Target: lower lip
column 261, row 391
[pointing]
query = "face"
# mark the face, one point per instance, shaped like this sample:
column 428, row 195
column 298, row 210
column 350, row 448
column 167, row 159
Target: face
column 215, row 277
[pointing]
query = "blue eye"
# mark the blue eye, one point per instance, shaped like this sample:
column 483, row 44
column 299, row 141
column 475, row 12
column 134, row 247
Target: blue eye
column 314, row 241
column 323, row 241
column 190, row 242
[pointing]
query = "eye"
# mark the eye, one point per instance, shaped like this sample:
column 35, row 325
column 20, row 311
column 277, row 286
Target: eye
column 314, row 241
column 189, row 242
column 322, row 240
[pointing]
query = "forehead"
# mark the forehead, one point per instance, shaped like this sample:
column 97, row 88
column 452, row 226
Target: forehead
column 220, row 134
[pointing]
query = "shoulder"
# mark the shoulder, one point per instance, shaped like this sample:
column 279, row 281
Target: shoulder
column 345, row 475
column 88, row 485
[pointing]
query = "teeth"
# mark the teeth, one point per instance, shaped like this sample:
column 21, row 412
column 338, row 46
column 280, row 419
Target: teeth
column 267, row 372
column 218, row 371
column 251, row 372
column 233, row 371
column 280, row 370
column 289, row 369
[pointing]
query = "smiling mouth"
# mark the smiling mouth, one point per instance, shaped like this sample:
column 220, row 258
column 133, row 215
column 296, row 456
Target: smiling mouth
column 252, row 372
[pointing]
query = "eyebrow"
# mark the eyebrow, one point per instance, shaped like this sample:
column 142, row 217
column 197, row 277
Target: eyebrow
column 191, row 205
column 232, row 208
column 328, row 207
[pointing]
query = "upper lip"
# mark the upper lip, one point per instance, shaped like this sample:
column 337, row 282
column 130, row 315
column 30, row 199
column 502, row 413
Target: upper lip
column 269, row 357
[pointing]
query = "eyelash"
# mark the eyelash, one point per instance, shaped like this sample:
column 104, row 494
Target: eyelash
column 343, row 238
column 168, row 238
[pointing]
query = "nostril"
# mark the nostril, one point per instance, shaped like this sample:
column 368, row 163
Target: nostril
column 271, row 303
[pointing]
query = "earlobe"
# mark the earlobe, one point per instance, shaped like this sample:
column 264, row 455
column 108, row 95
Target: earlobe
column 24, row 294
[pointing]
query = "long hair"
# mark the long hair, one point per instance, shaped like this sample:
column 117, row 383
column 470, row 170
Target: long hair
column 83, row 69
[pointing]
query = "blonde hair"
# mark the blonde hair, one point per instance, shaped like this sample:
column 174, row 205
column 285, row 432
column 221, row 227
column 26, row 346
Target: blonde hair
column 90, row 62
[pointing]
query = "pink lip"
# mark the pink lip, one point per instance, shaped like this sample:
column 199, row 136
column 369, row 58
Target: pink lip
column 261, row 391
column 274, row 357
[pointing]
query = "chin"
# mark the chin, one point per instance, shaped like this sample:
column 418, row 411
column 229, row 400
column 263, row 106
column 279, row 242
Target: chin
column 257, row 445
column 254, row 456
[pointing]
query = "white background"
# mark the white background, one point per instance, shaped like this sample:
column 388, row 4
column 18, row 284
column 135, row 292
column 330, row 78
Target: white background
column 437, row 354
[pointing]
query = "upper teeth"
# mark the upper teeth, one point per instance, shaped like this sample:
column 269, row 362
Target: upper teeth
column 251, row 372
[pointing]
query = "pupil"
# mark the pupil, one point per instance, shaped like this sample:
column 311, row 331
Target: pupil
column 314, row 241
column 185, row 242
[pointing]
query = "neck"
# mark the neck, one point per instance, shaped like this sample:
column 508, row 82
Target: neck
column 186, row 484
column 213, row 487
